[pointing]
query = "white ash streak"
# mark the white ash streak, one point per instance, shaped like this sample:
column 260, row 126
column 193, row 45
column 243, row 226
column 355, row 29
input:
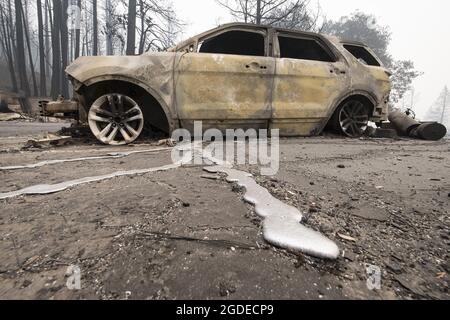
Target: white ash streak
column 117, row 155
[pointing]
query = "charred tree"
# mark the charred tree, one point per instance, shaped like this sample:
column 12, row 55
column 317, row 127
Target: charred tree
column 42, row 77
column 131, row 28
column 20, row 57
column 64, row 49
column 30, row 55
column 47, row 39
column 109, row 28
column 6, row 42
column 77, row 36
column 56, row 50
column 258, row 11
column 95, row 27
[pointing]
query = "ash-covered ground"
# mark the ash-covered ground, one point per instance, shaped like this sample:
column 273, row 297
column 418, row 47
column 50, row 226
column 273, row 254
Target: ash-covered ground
column 186, row 234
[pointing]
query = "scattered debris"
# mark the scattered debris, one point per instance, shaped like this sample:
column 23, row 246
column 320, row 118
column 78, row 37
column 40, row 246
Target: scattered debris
column 381, row 133
column 62, row 107
column 441, row 275
column 210, row 177
column 348, row 238
column 385, row 134
column 168, row 142
column 49, row 140
column 409, row 127
column 11, row 116
column 232, row 245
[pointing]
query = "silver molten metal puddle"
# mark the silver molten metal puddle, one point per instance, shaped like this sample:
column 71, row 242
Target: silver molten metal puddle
column 53, row 188
column 282, row 223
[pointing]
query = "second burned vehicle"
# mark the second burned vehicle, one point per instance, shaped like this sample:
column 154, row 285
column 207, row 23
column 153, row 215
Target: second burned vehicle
column 236, row 76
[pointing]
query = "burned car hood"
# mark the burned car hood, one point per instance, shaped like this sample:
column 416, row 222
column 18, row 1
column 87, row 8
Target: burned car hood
column 144, row 68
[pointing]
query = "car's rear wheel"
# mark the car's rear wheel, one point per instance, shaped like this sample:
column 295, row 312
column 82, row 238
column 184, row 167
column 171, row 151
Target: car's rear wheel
column 352, row 118
column 116, row 119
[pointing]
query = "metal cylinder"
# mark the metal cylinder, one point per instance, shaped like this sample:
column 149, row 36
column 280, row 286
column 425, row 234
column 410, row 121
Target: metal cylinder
column 403, row 123
column 432, row 131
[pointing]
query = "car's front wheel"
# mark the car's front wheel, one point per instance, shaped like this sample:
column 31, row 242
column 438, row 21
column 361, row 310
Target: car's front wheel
column 352, row 118
column 116, row 119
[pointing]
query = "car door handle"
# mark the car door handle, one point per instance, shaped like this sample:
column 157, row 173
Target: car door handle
column 338, row 71
column 255, row 65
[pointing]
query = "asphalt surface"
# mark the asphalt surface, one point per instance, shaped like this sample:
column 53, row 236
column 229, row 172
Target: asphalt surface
column 20, row 128
column 185, row 234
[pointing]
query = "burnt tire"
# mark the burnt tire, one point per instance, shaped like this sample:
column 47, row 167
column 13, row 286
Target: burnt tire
column 351, row 119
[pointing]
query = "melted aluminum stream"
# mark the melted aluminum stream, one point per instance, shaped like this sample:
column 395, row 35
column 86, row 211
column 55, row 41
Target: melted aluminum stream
column 53, row 188
column 108, row 156
column 282, row 223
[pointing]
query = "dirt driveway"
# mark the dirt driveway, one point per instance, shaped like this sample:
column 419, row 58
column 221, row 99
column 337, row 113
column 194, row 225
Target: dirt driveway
column 182, row 234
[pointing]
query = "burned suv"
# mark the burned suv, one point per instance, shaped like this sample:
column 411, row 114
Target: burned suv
column 235, row 76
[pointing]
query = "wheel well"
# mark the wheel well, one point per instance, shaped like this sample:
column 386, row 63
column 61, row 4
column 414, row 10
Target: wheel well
column 153, row 111
column 331, row 124
column 361, row 98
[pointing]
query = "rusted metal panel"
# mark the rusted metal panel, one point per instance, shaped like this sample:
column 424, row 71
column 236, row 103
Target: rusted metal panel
column 224, row 88
column 304, row 92
column 153, row 72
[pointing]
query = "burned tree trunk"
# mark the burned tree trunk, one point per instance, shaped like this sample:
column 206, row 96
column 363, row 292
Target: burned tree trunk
column 7, row 45
column 131, row 30
column 64, row 49
column 109, row 28
column 95, row 27
column 56, row 50
column 21, row 62
column 30, row 55
column 77, row 36
column 42, row 78
column 258, row 12
column 47, row 39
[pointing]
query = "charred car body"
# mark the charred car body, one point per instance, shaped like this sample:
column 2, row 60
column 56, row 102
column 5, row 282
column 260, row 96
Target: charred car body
column 235, row 76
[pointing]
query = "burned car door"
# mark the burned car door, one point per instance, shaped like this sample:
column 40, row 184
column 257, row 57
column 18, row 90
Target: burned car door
column 309, row 79
column 227, row 82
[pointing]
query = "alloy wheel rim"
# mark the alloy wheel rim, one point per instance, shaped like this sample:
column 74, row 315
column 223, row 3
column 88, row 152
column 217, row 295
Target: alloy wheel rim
column 354, row 119
column 116, row 119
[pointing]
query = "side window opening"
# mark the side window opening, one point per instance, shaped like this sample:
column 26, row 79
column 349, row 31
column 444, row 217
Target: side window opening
column 362, row 54
column 235, row 42
column 304, row 49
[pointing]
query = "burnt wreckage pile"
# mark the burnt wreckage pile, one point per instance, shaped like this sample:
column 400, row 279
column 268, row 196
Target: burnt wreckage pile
column 409, row 127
